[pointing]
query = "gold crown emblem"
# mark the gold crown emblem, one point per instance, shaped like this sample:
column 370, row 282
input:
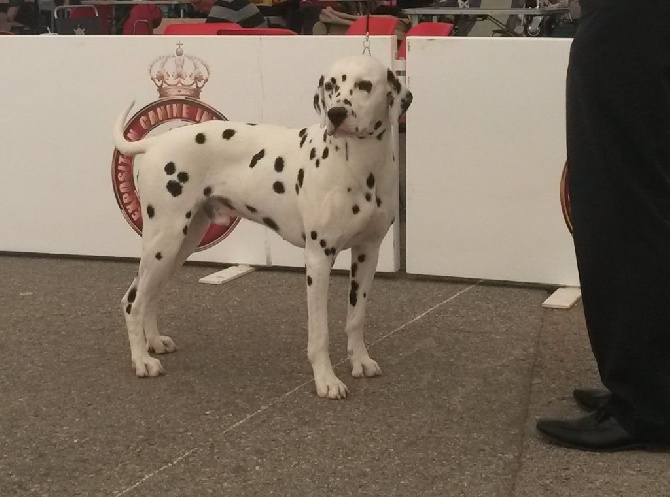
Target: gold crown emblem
column 179, row 75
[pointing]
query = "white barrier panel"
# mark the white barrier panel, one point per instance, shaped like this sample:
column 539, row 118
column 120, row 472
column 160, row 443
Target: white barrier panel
column 485, row 151
column 62, row 95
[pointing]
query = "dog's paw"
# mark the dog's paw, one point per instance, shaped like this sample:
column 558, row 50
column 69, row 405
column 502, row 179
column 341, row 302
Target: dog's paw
column 330, row 386
column 161, row 345
column 365, row 367
column 147, row 366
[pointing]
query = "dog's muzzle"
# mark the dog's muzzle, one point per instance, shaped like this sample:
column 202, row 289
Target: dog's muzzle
column 337, row 115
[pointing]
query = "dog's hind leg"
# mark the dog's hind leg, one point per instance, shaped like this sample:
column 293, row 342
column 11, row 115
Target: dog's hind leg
column 363, row 267
column 161, row 245
column 195, row 229
column 318, row 267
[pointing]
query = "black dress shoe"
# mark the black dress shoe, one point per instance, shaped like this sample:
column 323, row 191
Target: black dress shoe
column 592, row 399
column 597, row 431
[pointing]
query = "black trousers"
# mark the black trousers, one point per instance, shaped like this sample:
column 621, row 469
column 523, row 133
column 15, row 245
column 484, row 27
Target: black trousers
column 618, row 130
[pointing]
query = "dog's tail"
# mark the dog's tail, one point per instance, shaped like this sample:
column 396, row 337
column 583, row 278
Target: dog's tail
column 127, row 147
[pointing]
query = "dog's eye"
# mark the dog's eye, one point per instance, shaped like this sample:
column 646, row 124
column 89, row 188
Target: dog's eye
column 328, row 86
column 364, row 85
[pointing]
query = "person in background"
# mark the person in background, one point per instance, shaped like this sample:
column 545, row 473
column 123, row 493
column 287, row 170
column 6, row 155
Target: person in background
column 618, row 142
column 8, row 19
column 241, row 12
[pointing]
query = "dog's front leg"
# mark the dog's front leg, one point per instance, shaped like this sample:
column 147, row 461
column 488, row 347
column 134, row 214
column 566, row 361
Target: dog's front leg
column 363, row 267
column 318, row 266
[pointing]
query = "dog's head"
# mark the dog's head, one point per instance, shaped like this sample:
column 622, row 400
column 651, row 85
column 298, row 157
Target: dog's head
column 359, row 95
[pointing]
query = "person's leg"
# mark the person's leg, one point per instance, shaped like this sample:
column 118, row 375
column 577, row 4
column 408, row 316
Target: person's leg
column 618, row 131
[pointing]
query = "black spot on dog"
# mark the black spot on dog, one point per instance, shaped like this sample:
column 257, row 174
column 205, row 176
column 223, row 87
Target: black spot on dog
column 150, row 211
column 322, row 242
column 351, row 92
column 200, row 138
column 207, row 191
column 174, row 187
column 279, row 164
column 229, row 133
column 301, row 177
column 309, row 281
column 344, row 78
column 370, row 181
column 337, row 148
column 251, row 209
column 257, row 156
column 129, row 308
column 188, row 215
column 278, row 187
column 406, row 102
column 347, row 101
column 252, row 124
column 302, row 140
column 185, row 230
column 302, row 132
column 355, row 209
column 317, row 162
column 226, row 201
column 325, row 153
column 312, row 153
column 354, row 268
column 349, row 190
column 159, row 256
column 368, row 196
column 270, row 223
column 379, row 202
column 132, row 294
column 317, row 107
column 395, row 83
column 361, row 258
column 170, row 168
column 380, row 135
column 364, row 85
column 297, row 189
column 378, row 124
column 333, row 80
column 321, row 79
column 353, row 297
column 182, row 177
column 313, row 235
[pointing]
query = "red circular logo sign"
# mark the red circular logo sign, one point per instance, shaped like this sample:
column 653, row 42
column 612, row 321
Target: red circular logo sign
column 184, row 109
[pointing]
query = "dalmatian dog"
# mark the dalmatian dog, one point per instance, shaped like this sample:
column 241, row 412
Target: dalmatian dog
column 327, row 187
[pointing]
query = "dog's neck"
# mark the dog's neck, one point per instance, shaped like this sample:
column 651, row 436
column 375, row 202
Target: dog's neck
column 369, row 147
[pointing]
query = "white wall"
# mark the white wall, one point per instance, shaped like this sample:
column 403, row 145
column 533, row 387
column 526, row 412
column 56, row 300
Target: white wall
column 485, row 151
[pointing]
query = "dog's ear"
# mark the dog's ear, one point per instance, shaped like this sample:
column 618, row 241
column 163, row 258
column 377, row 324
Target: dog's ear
column 399, row 98
column 320, row 101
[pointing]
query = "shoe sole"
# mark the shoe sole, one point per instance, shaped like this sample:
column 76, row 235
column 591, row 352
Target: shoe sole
column 645, row 446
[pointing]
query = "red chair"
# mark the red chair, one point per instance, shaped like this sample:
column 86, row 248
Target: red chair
column 142, row 20
column 105, row 12
column 424, row 29
column 199, row 28
column 379, row 25
column 257, row 31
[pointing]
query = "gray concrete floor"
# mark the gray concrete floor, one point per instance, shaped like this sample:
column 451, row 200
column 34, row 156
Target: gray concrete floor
column 467, row 370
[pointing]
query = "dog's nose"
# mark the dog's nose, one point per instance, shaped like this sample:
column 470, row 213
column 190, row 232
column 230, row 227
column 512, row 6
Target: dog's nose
column 337, row 115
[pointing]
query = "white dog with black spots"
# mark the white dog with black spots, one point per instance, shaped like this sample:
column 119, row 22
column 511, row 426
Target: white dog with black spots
column 328, row 187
